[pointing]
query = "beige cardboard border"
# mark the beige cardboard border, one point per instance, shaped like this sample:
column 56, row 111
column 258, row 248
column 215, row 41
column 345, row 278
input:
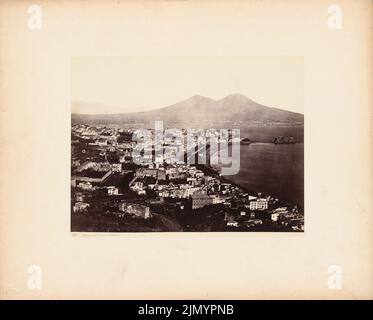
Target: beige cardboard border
column 35, row 140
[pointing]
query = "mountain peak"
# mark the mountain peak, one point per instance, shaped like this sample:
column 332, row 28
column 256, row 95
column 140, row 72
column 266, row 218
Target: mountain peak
column 236, row 97
column 198, row 97
column 234, row 107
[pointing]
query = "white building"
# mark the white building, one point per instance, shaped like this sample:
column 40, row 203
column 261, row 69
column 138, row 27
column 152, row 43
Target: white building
column 232, row 224
column 112, row 191
column 116, row 167
column 274, row 216
column 259, row 204
column 85, row 185
column 80, row 207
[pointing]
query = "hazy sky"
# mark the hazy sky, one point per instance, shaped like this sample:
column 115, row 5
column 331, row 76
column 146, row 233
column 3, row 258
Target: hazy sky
column 127, row 84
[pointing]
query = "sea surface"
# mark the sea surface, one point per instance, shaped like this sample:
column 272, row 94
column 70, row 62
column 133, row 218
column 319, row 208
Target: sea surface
column 275, row 169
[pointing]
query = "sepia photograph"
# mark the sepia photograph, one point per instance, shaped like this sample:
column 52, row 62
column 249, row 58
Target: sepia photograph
column 187, row 151
column 198, row 144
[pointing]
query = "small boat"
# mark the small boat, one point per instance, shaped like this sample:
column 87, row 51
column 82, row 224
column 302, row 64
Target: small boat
column 245, row 141
column 283, row 140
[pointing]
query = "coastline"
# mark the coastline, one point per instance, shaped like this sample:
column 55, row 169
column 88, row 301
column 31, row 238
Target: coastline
column 292, row 199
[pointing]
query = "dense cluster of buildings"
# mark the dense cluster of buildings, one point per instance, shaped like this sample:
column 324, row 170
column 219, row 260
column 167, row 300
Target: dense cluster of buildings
column 105, row 179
